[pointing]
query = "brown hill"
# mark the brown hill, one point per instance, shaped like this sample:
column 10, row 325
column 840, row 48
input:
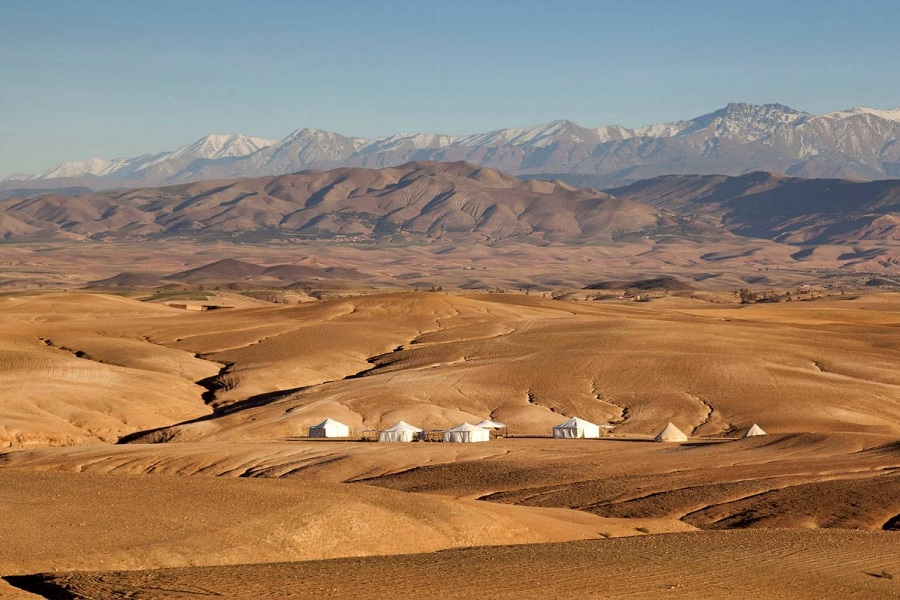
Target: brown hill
column 128, row 280
column 458, row 201
column 230, row 270
column 656, row 283
column 784, row 209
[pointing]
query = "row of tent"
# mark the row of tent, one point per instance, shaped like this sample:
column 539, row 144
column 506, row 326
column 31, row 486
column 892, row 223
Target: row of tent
column 670, row 433
column 404, row 432
column 481, row 432
column 579, row 428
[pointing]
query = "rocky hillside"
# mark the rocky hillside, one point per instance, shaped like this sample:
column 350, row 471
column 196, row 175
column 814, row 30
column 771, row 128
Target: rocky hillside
column 415, row 202
column 783, row 209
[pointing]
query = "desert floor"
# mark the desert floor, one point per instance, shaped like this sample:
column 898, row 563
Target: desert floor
column 214, row 489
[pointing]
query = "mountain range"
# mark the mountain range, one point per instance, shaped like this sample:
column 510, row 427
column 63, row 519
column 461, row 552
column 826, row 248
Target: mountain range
column 416, row 202
column 858, row 143
column 423, row 202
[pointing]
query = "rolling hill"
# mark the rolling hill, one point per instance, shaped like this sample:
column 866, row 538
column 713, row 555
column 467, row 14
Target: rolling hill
column 783, row 209
column 416, row 201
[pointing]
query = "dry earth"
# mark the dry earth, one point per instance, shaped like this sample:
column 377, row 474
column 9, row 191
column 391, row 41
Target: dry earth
column 229, row 480
column 510, row 264
column 772, row 564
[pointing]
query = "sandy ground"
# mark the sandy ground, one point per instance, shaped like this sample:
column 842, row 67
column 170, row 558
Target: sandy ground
column 100, row 367
column 772, row 564
column 231, row 484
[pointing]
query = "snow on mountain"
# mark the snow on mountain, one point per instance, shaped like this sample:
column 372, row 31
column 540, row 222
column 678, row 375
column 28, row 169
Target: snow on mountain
column 861, row 143
column 92, row 166
column 745, row 122
column 892, row 114
column 223, row 146
column 540, row 136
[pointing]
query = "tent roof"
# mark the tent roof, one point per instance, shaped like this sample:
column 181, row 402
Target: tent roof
column 575, row 423
column 327, row 422
column 466, row 427
column 755, row 430
column 670, row 432
column 403, row 426
column 488, row 424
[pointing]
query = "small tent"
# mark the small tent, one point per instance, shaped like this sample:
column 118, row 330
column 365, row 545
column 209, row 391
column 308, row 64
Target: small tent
column 755, row 430
column 401, row 432
column 576, row 428
column 670, row 433
column 329, row 428
column 467, row 433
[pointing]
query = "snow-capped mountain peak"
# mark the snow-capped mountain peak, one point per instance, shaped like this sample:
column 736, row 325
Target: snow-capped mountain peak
column 858, row 142
column 224, row 146
column 890, row 114
column 746, row 122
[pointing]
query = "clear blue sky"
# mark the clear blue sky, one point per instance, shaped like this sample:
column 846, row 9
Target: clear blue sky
column 118, row 78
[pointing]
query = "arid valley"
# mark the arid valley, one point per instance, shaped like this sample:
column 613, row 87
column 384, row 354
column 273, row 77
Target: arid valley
column 214, row 489
column 475, row 300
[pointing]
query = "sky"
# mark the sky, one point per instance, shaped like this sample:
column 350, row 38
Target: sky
column 103, row 78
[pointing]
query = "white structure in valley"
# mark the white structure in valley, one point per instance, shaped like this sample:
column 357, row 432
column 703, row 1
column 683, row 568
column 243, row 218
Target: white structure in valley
column 755, row 430
column 670, row 433
column 466, row 433
column 401, row 432
column 329, row 428
column 576, row 428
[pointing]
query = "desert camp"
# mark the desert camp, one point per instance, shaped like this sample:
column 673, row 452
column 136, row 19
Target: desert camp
column 467, row 433
column 576, row 428
column 754, row 431
column 401, row 432
column 670, row 433
column 329, row 428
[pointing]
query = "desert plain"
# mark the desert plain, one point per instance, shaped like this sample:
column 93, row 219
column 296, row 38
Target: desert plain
column 150, row 451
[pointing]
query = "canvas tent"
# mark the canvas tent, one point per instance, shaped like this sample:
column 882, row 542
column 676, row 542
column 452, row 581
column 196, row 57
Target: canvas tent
column 467, row 433
column 329, row 428
column 755, row 430
column 670, row 433
column 487, row 424
column 401, row 432
column 576, row 428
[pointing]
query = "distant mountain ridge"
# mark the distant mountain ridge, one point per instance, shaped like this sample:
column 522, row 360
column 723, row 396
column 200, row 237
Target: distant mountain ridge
column 858, row 143
column 459, row 202
column 416, row 202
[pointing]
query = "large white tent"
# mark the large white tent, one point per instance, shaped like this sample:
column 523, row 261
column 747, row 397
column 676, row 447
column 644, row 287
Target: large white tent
column 576, row 428
column 329, row 428
column 755, row 430
column 467, row 433
column 401, row 432
column 670, row 433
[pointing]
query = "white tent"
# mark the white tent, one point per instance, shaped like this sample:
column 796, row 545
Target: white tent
column 486, row 424
column 576, row 428
column 329, row 428
column 467, row 433
column 670, row 433
column 755, row 430
column 401, row 432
